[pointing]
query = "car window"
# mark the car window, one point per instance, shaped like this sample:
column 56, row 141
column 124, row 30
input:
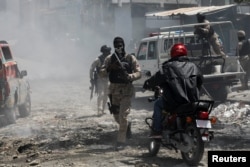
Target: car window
column 6, row 53
column 142, row 51
column 152, row 50
column 167, row 44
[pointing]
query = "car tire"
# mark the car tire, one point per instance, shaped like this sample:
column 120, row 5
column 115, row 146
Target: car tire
column 25, row 109
column 10, row 114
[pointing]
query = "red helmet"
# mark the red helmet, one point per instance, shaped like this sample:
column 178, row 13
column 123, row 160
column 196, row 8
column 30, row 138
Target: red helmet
column 178, row 50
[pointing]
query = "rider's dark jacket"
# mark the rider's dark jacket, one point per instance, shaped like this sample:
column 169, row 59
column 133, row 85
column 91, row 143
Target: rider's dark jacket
column 180, row 80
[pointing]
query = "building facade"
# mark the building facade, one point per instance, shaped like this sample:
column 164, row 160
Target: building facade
column 105, row 18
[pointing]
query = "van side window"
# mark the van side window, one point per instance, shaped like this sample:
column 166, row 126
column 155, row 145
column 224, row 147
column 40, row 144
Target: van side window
column 142, row 51
column 167, row 44
column 152, row 50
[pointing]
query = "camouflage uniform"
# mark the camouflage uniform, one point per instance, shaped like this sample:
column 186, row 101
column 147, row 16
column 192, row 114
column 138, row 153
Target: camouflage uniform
column 102, row 80
column 122, row 92
column 206, row 31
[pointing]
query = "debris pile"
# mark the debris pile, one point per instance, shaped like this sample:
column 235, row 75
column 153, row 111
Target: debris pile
column 228, row 113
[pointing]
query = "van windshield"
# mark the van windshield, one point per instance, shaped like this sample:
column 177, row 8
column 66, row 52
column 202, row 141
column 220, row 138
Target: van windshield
column 147, row 51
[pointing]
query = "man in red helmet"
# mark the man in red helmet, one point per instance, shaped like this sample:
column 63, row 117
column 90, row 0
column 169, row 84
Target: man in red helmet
column 180, row 81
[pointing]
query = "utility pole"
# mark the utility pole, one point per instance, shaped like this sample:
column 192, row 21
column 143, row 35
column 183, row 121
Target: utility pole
column 178, row 5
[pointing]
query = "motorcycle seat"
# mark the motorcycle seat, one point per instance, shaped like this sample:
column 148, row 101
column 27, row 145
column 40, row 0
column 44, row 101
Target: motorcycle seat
column 189, row 108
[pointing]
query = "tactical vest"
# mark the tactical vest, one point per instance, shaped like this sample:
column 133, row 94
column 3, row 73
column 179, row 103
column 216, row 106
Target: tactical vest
column 117, row 75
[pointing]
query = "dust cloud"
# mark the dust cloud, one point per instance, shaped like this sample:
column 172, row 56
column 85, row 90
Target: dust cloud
column 50, row 44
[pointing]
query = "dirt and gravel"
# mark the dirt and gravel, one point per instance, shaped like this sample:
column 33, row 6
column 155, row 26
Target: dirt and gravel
column 63, row 130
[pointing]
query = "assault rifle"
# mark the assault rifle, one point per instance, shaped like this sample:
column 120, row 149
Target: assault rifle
column 93, row 86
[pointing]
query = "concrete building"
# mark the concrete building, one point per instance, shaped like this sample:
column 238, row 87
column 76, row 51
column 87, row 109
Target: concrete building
column 105, row 18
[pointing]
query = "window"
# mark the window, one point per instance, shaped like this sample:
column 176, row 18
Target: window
column 142, row 51
column 152, row 50
column 167, row 45
column 7, row 53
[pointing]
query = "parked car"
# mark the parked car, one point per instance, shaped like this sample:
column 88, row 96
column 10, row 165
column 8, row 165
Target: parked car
column 14, row 88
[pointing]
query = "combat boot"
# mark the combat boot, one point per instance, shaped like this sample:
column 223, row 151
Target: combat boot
column 129, row 132
column 120, row 146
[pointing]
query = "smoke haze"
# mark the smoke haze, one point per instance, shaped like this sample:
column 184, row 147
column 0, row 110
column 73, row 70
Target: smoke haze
column 52, row 45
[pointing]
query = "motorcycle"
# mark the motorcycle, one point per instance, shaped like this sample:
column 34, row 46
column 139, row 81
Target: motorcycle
column 186, row 129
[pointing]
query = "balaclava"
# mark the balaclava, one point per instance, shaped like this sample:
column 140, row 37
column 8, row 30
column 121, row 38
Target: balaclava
column 119, row 46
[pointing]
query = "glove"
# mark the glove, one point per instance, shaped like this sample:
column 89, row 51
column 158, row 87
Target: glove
column 127, row 76
column 124, row 65
column 130, row 77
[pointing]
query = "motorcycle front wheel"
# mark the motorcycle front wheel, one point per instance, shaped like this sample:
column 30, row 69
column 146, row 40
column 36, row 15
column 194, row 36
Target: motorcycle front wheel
column 154, row 146
column 194, row 156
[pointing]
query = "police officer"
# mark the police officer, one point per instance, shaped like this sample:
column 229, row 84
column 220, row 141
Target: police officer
column 244, row 51
column 122, row 69
column 101, row 81
column 207, row 32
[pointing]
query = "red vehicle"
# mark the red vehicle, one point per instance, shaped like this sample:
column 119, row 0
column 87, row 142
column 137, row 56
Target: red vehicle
column 14, row 88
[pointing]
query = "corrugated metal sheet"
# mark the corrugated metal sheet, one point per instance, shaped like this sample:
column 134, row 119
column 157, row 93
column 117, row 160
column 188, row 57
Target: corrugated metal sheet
column 189, row 11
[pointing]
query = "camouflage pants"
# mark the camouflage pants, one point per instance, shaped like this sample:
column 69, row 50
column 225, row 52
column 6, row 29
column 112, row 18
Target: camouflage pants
column 216, row 45
column 121, row 96
column 102, row 92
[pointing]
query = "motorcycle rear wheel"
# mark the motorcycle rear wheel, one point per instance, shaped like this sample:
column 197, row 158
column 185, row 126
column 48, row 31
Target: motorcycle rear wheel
column 154, row 147
column 194, row 156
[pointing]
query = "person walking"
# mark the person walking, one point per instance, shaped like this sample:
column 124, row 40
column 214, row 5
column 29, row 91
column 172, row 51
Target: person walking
column 122, row 69
column 99, row 81
column 244, row 52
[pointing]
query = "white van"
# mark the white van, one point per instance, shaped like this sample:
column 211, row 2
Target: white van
column 219, row 73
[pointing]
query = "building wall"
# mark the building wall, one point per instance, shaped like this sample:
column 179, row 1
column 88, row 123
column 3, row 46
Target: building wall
column 106, row 18
column 123, row 22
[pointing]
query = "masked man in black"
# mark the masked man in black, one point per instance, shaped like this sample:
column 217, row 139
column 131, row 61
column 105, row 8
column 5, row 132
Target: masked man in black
column 122, row 69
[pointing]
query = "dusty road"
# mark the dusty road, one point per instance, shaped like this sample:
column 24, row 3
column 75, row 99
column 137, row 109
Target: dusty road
column 63, row 130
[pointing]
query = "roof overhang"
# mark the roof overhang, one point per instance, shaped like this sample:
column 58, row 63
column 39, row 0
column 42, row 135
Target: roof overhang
column 189, row 11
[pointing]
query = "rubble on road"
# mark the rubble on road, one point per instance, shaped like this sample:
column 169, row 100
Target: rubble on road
column 232, row 113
